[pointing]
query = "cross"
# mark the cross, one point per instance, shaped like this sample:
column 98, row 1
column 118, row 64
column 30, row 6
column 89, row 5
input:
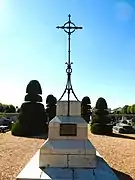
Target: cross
column 69, row 27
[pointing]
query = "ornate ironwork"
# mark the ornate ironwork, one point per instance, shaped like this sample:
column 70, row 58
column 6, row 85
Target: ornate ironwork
column 69, row 27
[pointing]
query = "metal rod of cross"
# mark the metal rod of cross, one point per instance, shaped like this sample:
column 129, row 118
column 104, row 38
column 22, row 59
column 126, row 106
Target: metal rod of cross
column 69, row 27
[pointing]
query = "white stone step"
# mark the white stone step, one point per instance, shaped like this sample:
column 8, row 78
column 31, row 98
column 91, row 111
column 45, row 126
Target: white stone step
column 67, row 153
column 32, row 172
column 70, row 146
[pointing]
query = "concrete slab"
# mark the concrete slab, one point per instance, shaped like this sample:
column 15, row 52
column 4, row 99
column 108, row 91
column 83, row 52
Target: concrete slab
column 67, row 147
column 59, row 173
column 83, row 174
column 82, row 161
column 67, row 153
column 52, row 160
column 103, row 170
column 33, row 172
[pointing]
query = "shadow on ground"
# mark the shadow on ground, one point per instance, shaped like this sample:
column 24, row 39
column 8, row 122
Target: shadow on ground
column 121, row 175
column 42, row 136
column 121, row 136
column 104, row 166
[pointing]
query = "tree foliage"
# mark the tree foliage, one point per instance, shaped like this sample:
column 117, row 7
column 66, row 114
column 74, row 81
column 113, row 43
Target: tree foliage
column 86, row 100
column 5, row 108
column 100, row 118
column 124, row 109
column 86, row 108
column 51, row 102
column 32, row 117
column 101, row 104
column 127, row 109
column 34, row 87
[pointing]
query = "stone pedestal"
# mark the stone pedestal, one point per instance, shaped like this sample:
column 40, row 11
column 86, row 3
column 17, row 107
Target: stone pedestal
column 32, row 171
column 67, row 144
column 67, row 154
column 75, row 108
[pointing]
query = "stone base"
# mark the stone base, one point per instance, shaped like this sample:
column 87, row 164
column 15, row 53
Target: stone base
column 67, row 161
column 33, row 172
column 66, row 154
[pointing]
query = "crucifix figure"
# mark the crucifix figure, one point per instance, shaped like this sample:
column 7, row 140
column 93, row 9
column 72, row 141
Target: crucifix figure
column 69, row 28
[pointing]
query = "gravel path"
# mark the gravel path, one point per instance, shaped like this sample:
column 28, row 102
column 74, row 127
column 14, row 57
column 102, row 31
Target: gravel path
column 118, row 152
column 15, row 152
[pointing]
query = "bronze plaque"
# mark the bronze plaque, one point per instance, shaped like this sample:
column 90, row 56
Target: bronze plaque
column 68, row 129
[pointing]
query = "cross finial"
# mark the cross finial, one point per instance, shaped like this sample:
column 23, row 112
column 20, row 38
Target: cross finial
column 69, row 16
column 69, row 27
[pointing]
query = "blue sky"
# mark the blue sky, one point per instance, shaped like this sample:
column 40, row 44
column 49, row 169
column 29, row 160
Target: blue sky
column 103, row 52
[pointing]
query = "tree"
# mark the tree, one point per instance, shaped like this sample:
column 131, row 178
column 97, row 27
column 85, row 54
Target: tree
column 51, row 102
column 100, row 118
column 128, row 110
column 32, row 117
column 18, row 110
column 86, row 108
column 124, row 109
column 5, row 108
column 132, row 109
column 1, row 108
column 101, row 104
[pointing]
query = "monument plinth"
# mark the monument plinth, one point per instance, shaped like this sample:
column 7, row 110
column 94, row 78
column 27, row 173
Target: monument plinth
column 68, row 145
column 67, row 154
column 62, row 108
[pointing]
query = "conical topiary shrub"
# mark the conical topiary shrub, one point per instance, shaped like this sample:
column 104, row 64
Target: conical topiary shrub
column 51, row 102
column 86, row 108
column 32, row 117
column 101, row 104
column 34, row 87
column 100, row 118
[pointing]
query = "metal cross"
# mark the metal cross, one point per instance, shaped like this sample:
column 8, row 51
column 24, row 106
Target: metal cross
column 69, row 27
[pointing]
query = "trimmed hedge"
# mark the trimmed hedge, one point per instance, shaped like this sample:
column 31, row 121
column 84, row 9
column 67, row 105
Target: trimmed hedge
column 33, row 98
column 97, row 128
column 86, row 100
column 16, row 129
column 19, row 130
column 100, row 120
column 101, row 104
column 86, row 108
column 51, row 104
column 34, row 87
column 32, row 119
